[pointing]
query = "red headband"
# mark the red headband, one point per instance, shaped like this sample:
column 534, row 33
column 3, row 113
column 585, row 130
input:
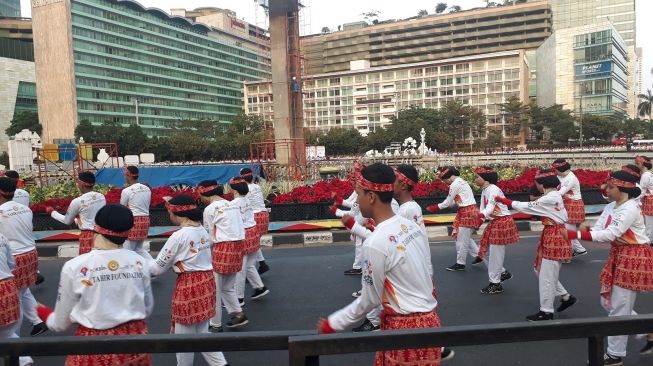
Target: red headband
column 103, row 231
column 366, row 185
column 621, row 183
column 482, row 170
column 179, row 208
column 404, row 178
column 544, row 175
column 129, row 174
column 236, row 181
column 3, row 193
column 642, row 159
column 559, row 165
column 86, row 184
column 630, row 171
column 201, row 190
column 442, row 173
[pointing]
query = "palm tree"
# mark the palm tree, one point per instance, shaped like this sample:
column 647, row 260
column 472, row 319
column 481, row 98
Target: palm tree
column 645, row 104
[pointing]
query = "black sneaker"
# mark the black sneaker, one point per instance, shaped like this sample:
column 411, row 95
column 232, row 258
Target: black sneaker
column 505, row 276
column 566, row 304
column 578, row 254
column 263, row 267
column 540, row 315
column 446, row 354
column 477, row 260
column 648, row 348
column 215, row 328
column 39, row 328
column 260, row 292
column 237, row 320
column 367, row 326
column 456, row 267
column 492, row 288
column 612, row 360
column 39, row 279
column 354, row 271
column 241, row 302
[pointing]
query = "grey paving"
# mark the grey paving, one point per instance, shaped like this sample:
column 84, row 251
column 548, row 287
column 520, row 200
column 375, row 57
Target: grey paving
column 307, row 283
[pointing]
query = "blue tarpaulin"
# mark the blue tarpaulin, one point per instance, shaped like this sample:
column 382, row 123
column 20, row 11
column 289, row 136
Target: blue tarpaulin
column 170, row 175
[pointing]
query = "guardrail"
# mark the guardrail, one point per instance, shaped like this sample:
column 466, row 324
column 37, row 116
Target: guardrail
column 305, row 347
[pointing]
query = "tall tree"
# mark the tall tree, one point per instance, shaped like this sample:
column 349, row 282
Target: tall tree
column 24, row 120
column 326, row 30
column 560, row 123
column 632, row 127
column 339, row 141
column 422, row 13
column 440, row 8
column 598, row 127
column 516, row 117
column 645, row 104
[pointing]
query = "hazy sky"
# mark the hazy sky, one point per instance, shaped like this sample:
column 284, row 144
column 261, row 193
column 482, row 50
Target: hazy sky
column 331, row 13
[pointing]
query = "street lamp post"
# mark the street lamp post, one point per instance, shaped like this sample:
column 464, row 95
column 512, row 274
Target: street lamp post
column 581, row 122
column 135, row 101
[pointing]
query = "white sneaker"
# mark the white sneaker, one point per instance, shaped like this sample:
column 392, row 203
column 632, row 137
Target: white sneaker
column 356, row 293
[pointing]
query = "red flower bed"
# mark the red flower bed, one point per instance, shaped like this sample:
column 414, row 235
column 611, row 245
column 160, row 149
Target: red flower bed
column 318, row 192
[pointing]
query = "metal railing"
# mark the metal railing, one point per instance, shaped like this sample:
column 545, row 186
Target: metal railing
column 305, row 347
column 306, row 350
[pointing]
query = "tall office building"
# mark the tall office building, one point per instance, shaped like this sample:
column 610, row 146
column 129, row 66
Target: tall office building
column 120, row 62
column 430, row 38
column 9, row 8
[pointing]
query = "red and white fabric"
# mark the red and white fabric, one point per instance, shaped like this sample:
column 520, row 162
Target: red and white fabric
column 137, row 198
column 86, row 241
column 404, row 357
column 465, row 217
column 186, row 250
column 223, row 221
column 228, row 256
column 575, row 210
column 27, row 266
column 136, row 327
column 570, row 186
column 9, row 304
column 140, row 229
column 193, row 299
column 262, row 222
column 499, row 231
column 629, row 266
column 84, row 208
column 252, row 242
column 460, row 193
column 646, row 198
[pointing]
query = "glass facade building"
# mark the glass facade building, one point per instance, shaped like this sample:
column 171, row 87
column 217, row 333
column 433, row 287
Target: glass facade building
column 600, row 74
column 140, row 65
column 9, row 8
column 26, row 97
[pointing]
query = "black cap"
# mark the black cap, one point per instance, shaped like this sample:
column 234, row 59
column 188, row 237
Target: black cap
column 115, row 218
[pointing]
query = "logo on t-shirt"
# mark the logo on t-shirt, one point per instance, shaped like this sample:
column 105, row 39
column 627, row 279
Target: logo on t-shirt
column 113, row 265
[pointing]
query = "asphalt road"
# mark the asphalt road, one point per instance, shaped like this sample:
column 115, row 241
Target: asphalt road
column 307, row 283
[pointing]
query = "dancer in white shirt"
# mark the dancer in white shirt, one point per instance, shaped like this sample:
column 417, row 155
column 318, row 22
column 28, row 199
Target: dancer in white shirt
column 10, row 314
column 466, row 221
column 252, row 244
column 188, row 253
column 136, row 197
column 261, row 214
column 226, row 230
column 395, row 273
column 554, row 246
column 571, row 196
column 499, row 232
column 83, row 208
column 629, row 269
column 16, row 225
column 646, row 198
column 106, row 292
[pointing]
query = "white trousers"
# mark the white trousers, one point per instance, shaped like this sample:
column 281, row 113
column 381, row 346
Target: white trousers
column 495, row 265
column 549, row 285
column 259, row 255
column 137, row 246
column 648, row 221
column 225, row 294
column 575, row 243
column 28, row 306
column 11, row 331
column 465, row 245
column 249, row 271
column 358, row 253
column 186, row 359
column 374, row 316
column 622, row 302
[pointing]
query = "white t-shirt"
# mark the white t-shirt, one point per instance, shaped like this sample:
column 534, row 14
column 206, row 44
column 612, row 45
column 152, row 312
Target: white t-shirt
column 255, row 198
column 489, row 207
column 21, row 196
column 186, row 250
column 626, row 225
column 646, row 184
column 246, row 211
column 102, row 289
column 16, row 226
column 549, row 205
column 7, row 263
column 395, row 273
column 460, row 193
column 223, row 222
column 137, row 197
column 570, row 185
column 84, row 207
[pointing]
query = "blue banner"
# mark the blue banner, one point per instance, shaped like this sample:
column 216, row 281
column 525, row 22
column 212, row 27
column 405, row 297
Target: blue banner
column 157, row 176
column 591, row 69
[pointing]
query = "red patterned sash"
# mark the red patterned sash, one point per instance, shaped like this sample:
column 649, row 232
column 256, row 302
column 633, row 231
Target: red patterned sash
column 500, row 231
column 27, row 266
column 629, row 266
column 193, row 300
column 86, row 241
column 404, row 357
column 9, row 305
column 136, row 327
column 553, row 245
column 141, row 228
